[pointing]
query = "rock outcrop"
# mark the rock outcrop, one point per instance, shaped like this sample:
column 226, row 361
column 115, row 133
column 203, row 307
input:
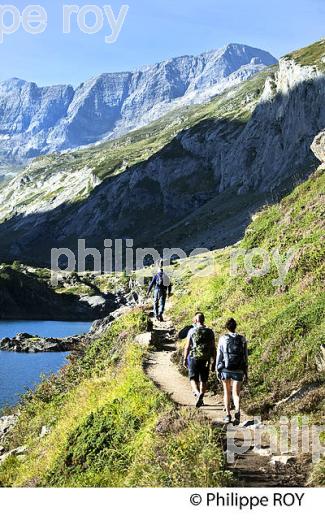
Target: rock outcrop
column 7, row 422
column 26, row 295
column 26, row 343
column 318, row 146
column 19, row 452
column 30, row 344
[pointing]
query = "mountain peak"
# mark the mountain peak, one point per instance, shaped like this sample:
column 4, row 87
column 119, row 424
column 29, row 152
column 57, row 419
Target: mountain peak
column 14, row 81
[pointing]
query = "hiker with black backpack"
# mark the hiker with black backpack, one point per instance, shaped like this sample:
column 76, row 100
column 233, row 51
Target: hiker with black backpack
column 199, row 353
column 232, row 366
column 162, row 288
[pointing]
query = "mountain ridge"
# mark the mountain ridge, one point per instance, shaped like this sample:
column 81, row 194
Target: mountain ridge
column 37, row 120
column 145, row 67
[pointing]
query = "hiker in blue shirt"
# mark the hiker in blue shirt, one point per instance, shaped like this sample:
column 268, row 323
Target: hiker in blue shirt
column 162, row 288
column 232, row 367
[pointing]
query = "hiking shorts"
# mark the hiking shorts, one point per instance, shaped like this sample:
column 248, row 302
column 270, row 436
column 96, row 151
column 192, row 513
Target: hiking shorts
column 198, row 370
column 235, row 376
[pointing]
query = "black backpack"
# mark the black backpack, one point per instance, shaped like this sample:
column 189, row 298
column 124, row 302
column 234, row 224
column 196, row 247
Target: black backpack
column 234, row 353
column 201, row 343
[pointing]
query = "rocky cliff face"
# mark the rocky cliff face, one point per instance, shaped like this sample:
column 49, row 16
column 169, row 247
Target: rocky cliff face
column 318, row 147
column 35, row 120
column 25, row 295
column 27, row 112
column 275, row 145
column 218, row 164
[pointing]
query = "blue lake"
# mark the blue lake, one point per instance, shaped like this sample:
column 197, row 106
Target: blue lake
column 19, row 372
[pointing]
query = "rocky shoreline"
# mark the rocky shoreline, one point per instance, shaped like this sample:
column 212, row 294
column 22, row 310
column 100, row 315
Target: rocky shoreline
column 26, row 343
column 31, row 344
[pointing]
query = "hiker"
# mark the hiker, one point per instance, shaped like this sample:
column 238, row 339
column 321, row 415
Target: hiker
column 200, row 350
column 162, row 288
column 232, row 365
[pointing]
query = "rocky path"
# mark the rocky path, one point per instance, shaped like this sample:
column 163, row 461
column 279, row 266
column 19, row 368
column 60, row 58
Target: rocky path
column 254, row 468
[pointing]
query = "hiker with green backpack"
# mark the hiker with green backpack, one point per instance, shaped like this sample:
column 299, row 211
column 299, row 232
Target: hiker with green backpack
column 199, row 353
column 232, row 366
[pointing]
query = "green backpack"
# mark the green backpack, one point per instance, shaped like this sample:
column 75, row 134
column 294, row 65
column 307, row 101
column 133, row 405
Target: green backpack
column 201, row 344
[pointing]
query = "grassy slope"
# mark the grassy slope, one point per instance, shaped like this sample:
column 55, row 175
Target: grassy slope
column 313, row 55
column 112, row 157
column 285, row 325
column 109, row 423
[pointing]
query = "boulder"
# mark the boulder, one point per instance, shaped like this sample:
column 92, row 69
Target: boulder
column 100, row 326
column 120, row 312
column 262, row 452
column 252, row 423
column 320, row 359
column 44, row 431
column 145, row 340
column 7, row 422
column 94, row 301
column 16, row 452
column 282, row 459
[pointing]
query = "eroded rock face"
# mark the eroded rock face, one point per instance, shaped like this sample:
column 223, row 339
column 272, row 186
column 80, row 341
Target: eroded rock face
column 318, row 146
column 100, row 326
column 275, row 144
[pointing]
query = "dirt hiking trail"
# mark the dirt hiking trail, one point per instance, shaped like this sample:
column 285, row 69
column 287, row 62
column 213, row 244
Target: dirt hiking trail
column 255, row 468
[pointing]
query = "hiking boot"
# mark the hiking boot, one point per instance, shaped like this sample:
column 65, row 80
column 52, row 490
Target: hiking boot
column 227, row 419
column 200, row 402
column 237, row 419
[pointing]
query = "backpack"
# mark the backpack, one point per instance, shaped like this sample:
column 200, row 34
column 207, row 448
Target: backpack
column 234, row 354
column 201, row 343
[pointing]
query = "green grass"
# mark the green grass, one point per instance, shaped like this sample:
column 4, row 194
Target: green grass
column 110, row 426
column 313, row 55
column 284, row 325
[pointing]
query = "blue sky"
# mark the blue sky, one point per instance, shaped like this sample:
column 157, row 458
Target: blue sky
column 155, row 30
